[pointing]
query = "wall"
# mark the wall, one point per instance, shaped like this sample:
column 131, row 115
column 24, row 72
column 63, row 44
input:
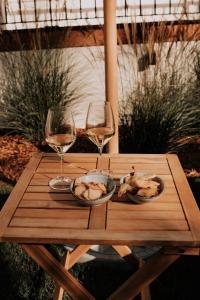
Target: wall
column 89, row 65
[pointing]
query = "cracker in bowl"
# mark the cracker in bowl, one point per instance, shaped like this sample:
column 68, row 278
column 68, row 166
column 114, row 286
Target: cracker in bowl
column 93, row 189
column 90, row 190
column 140, row 187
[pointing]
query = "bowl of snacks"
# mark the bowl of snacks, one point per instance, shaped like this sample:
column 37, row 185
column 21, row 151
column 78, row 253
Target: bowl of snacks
column 93, row 189
column 141, row 187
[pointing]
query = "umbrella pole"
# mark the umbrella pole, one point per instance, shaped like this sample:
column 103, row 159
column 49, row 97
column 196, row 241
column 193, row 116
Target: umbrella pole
column 111, row 68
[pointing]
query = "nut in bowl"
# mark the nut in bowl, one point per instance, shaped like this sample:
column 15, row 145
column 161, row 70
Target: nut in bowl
column 93, row 189
column 140, row 187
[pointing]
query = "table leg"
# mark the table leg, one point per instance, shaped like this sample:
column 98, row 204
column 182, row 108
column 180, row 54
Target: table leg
column 58, row 294
column 145, row 292
column 69, row 259
column 55, row 269
column 126, row 253
column 76, row 254
column 143, row 277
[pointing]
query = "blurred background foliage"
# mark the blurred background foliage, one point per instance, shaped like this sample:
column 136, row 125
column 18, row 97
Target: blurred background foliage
column 32, row 82
column 160, row 107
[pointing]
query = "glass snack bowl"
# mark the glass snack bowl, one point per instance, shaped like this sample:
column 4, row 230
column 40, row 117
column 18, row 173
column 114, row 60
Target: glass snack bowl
column 91, row 185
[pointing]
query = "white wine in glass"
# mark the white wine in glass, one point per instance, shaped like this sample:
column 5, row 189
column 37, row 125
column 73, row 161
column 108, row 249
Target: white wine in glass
column 100, row 125
column 60, row 134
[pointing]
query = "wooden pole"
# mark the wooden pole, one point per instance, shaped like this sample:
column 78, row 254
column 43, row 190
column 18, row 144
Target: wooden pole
column 111, row 69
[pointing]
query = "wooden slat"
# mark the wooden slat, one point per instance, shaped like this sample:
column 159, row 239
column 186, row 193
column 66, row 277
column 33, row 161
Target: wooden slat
column 139, row 159
column 17, row 193
column 97, row 218
column 51, row 204
column 55, row 269
column 67, row 167
column 143, row 277
column 146, row 225
column 84, row 164
column 97, row 236
column 69, row 158
column 124, row 156
column 48, row 196
column 80, row 163
column 74, row 166
column 153, row 206
column 145, row 215
column 43, row 176
column 103, row 162
column 41, row 182
column 39, row 223
column 189, row 204
column 56, row 169
column 167, row 196
column 42, row 189
column 48, row 176
column 52, row 213
column 146, row 168
column 73, row 156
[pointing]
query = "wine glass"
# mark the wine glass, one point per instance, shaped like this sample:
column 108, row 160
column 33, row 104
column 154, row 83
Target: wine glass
column 60, row 134
column 100, row 126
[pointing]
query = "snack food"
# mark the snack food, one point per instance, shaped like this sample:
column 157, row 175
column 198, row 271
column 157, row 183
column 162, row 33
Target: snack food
column 93, row 189
column 90, row 190
column 140, row 185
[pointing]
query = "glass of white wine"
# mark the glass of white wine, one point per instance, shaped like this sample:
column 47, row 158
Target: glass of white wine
column 60, row 134
column 100, row 126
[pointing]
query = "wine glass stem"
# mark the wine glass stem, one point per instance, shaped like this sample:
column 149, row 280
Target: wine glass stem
column 100, row 156
column 61, row 164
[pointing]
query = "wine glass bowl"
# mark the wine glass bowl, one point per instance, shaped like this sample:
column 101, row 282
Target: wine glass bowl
column 60, row 135
column 100, row 126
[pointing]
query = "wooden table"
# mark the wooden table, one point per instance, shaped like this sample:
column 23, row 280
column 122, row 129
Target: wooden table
column 34, row 216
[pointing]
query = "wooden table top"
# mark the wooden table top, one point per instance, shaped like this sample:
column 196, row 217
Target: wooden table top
column 36, row 214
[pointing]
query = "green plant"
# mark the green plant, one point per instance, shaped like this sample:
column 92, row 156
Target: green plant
column 32, row 82
column 161, row 118
column 160, row 109
column 22, row 278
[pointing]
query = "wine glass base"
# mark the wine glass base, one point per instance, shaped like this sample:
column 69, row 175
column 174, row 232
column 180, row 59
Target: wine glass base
column 60, row 183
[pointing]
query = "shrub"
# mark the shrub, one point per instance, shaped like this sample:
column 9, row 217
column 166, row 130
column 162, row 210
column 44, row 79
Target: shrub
column 22, row 278
column 32, row 82
column 160, row 119
column 160, row 109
